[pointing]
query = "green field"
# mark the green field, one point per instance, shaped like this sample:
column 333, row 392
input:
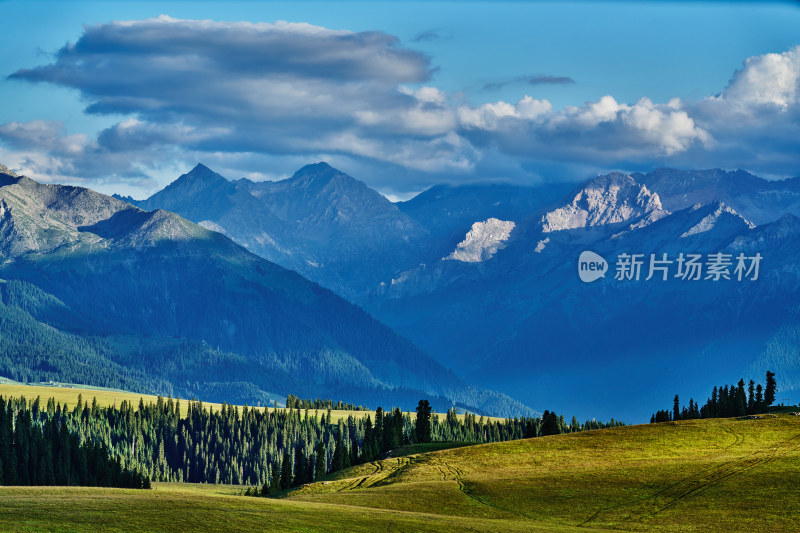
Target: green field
column 698, row 475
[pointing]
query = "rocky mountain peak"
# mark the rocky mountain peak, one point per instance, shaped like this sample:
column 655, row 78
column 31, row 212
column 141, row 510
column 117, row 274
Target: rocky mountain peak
column 7, row 171
column 483, row 241
column 610, row 199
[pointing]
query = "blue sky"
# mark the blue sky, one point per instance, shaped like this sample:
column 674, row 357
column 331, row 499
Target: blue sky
column 399, row 94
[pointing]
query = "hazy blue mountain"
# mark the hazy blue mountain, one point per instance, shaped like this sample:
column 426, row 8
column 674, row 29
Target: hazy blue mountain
column 322, row 223
column 757, row 199
column 154, row 300
column 484, row 276
column 448, row 211
column 522, row 321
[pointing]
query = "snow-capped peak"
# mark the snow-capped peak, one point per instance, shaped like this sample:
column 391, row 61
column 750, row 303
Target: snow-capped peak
column 482, row 241
column 609, row 199
column 710, row 221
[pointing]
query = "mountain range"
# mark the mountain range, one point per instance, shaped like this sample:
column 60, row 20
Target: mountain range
column 95, row 290
column 484, row 277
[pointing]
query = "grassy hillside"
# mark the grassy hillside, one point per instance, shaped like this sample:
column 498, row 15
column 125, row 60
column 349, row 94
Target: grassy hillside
column 700, row 475
column 209, row 508
column 68, row 394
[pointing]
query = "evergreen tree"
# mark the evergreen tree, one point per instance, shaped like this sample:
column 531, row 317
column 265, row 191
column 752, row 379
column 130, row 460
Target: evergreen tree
column 275, row 479
column 379, row 431
column 550, row 424
column 286, row 471
column 769, row 390
column 741, row 399
column 320, row 467
column 676, row 408
column 713, row 403
column 759, row 397
column 423, row 423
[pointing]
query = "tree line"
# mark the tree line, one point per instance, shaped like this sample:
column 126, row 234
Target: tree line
column 36, row 449
column 725, row 401
column 293, row 402
column 269, row 450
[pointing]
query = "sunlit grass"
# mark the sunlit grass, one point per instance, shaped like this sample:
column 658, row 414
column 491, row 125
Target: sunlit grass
column 709, row 475
column 107, row 397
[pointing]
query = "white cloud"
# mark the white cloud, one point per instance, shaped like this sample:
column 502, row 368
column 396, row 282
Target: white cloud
column 240, row 92
column 769, row 79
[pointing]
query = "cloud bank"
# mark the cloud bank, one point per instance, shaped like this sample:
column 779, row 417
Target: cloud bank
column 245, row 92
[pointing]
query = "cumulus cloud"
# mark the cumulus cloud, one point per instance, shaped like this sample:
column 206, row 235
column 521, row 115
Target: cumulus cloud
column 272, row 88
column 771, row 80
column 238, row 93
column 604, row 130
column 45, row 151
column 755, row 120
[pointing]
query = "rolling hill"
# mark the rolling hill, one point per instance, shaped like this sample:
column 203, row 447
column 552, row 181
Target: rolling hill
column 699, row 475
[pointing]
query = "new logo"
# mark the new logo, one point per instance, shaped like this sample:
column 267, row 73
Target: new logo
column 591, row 267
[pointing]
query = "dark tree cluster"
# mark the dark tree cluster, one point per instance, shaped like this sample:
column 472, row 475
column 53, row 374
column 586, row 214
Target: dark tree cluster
column 293, row 402
column 269, row 450
column 37, row 448
column 725, row 401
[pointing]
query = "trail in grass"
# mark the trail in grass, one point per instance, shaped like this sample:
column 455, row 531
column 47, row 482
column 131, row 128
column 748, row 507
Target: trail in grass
column 643, row 508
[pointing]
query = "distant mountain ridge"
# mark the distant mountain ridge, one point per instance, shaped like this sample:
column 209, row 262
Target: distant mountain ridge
column 525, row 308
column 755, row 198
column 486, row 280
column 146, row 294
column 320, row 222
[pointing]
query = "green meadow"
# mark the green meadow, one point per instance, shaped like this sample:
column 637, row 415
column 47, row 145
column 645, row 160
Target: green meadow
column 67, row 394
column 696, row 475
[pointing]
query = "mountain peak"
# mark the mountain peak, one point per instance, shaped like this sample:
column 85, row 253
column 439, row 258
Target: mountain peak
column 608, row 199
column 319, row 173
column 7, row 171
column 202, row 171
column 200, row 177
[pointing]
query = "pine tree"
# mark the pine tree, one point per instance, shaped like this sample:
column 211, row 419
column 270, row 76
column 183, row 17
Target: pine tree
column 286, row 471
column 771, row 387
column 550, row 423
column 676, row 408
column 320, row 466
column 379, row 430
column 741, row 399
column 759, row 397
column 423, row 423
column 713, row 403
column 275, row 478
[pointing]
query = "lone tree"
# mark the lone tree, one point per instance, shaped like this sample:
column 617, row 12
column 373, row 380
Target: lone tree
column 769, row 392
column 423, row 427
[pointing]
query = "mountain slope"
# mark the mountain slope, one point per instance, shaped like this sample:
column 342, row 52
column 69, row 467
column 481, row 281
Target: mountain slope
column 321, row 223
column 124, row 272
column 586, row 348
column 448, row 212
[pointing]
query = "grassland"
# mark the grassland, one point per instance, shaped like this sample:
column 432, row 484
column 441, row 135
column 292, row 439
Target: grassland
column 68, row 394
column 709, row 475
column 699, row 475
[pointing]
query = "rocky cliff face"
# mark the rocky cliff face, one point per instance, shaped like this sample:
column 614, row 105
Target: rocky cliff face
column 611, row 199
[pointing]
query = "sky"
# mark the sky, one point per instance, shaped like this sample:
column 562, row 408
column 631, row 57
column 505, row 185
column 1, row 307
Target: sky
column 124, row 97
